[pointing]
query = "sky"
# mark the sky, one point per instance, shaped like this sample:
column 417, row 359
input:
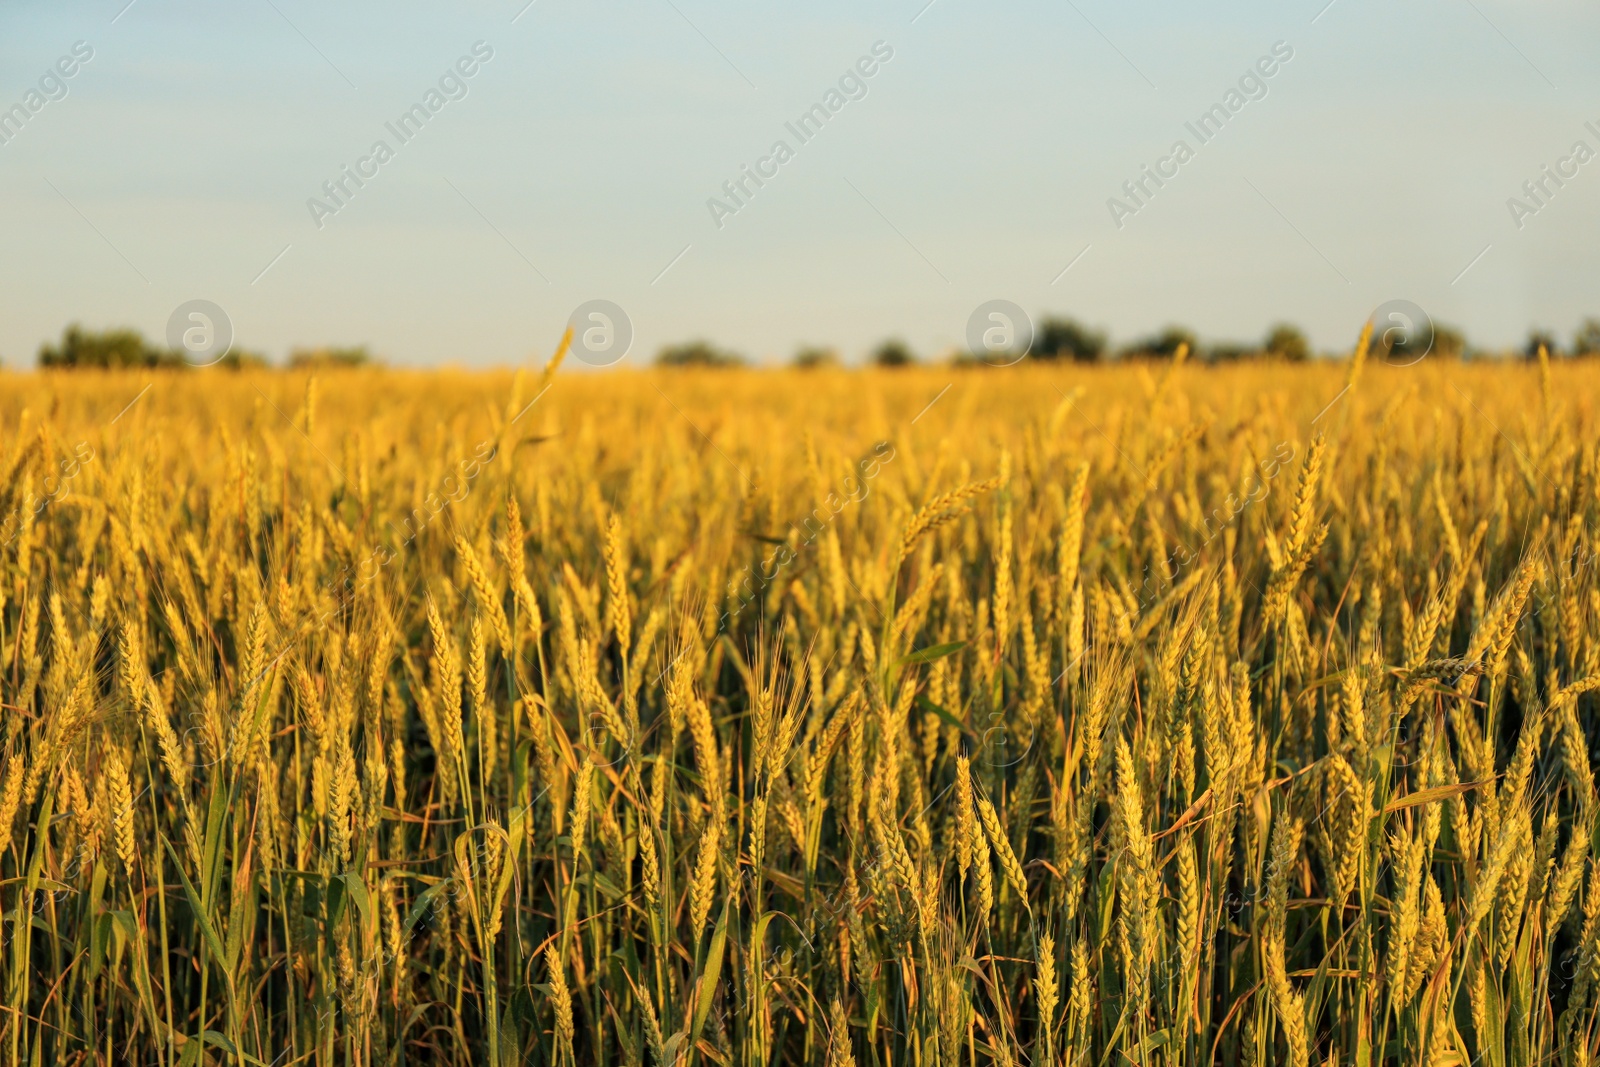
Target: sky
column 984, row 157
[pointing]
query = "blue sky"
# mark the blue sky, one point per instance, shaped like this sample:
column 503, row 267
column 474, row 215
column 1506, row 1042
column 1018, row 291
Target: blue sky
column 978, row 165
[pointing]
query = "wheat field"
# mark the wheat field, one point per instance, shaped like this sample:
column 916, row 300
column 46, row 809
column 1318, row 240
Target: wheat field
column 1149, row 714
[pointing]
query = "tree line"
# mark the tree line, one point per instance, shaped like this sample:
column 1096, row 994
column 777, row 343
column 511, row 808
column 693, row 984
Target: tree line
column 121, row 348
column 1058, row 339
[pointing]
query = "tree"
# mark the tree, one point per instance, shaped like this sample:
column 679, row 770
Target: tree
column 326, row 356
column 1231, row 352
column 108, row 348
column 1586, row 342
column 1402, row 342
column 239, row 359
column 1287, row 343
column 1163, row 345
column 1068, row 339
column 1449, row 343
column 1541, row 339
column 696, row 354
column 893, row 353
column 810, row 357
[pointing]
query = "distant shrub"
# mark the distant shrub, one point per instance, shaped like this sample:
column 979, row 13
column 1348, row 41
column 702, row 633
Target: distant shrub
column 893, row 353
column 697, row 354
column 1448, row 343
column 1068, row 339
column 326, row 356
column 1287, row 343
column 1586, row 342
column 1538, row 338
column 812, row 356
column 104, row 349
column 1232, row 352
column 1162, row 346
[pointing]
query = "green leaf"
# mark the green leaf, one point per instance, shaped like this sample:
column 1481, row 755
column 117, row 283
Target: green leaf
column 948, row 719
column 239, row 914
column 261, row 713
column 707, row 984
column 931, row 653
column 520, row 787
column 117, row 924
column 211, row 858
column 759, row 931
column 1153, row 1041
column 126, row 932
column 609, row 889
column 212, row 941
column 503, row 886
column 99, row 942
column 363, row 901
column 510, row 1039
column 97, row 886
column 337, row 898
column 422, row 902
column 1363, row 1038
column 211, row 1037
